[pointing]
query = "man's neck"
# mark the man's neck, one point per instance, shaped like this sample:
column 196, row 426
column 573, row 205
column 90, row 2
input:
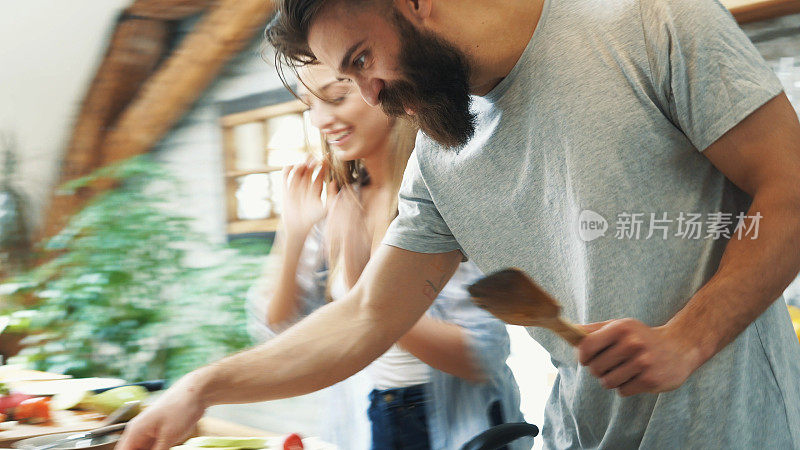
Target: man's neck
column 492, row 33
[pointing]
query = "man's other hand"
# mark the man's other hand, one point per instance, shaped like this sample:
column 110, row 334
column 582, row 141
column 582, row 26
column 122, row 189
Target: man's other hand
column 167, row 422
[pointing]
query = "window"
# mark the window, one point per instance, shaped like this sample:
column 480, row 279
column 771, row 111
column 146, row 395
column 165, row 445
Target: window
column 257, row 144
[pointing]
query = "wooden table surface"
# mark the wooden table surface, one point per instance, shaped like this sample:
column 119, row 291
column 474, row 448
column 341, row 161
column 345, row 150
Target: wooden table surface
column 62, row 422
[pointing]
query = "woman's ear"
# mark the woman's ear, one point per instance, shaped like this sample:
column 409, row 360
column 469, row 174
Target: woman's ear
column 416, row 11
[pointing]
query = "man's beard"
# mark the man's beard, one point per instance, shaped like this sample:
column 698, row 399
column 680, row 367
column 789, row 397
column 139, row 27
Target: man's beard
column 435, row 87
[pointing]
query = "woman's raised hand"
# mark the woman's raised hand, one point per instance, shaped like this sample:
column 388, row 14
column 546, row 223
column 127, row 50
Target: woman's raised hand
column 302, row 196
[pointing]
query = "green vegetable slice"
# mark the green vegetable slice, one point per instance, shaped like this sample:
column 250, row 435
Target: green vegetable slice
column 227, row 442
column 108, row 401
column 67, row 399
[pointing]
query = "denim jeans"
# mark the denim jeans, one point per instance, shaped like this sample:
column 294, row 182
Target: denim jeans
column 399, row 419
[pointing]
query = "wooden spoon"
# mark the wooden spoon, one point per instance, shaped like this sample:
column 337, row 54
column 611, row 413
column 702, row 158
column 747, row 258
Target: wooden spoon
column 511, row 296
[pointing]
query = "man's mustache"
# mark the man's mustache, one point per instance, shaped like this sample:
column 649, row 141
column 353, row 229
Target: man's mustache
column 397, row 98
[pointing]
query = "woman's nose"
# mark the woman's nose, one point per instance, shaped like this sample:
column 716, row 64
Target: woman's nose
column 370, row 90
column 321, row 117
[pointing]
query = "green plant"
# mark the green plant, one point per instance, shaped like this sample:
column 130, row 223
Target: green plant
column 124, row 294
column 15, row 244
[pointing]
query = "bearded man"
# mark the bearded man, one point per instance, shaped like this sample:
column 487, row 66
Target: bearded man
column 542, row 121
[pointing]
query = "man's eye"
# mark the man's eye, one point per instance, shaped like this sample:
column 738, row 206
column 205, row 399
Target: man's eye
column 360, row 61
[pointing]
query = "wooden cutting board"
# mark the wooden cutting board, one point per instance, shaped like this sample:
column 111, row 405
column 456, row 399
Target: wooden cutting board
column 62, row 422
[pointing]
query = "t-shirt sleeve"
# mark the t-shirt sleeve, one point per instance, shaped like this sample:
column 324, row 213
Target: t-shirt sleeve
column 418, row 226
column 707, row 74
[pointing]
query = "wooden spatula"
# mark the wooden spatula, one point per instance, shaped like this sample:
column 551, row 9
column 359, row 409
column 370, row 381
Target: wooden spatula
column 511, row 296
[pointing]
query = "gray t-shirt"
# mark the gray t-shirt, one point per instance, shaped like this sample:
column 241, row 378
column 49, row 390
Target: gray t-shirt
column 604, row 118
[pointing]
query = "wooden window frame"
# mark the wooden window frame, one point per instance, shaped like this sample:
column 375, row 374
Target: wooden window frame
column 241, row 112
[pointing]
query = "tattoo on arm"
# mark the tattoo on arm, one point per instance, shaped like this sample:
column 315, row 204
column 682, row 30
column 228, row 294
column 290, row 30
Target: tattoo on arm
column 432, row 287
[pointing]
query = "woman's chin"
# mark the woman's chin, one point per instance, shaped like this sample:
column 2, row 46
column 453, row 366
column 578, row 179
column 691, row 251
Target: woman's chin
column 345, row 153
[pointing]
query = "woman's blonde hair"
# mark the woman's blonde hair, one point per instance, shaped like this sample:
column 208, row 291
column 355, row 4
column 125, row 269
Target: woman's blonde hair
column 348, row 241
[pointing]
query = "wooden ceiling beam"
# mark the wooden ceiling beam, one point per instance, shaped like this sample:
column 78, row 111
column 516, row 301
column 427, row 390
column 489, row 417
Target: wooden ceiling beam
column 159, row 102
column 135, row 49
column 168, row 9
column 226, row 29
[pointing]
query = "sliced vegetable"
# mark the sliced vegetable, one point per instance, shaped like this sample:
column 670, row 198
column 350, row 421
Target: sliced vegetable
column 108, row 401
column 227, row 441
column 67, row 400
column 9, row 402
column 293, row 442
column 33, row 410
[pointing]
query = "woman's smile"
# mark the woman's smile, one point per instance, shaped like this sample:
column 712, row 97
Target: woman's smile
column 339, row 137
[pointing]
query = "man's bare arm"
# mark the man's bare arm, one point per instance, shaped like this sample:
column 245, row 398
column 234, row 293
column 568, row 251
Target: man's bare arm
column 395, row 289
column 335, row 342
column 761, row 155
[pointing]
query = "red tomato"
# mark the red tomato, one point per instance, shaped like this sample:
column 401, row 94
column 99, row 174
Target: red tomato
column 33, row 410
column 293, row 442
column 11, row 401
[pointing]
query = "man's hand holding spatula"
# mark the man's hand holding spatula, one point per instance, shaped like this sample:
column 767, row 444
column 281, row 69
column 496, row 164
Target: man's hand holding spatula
column 624, row 354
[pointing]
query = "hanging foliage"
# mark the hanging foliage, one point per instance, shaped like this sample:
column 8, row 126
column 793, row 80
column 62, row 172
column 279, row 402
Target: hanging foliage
column 133, row 291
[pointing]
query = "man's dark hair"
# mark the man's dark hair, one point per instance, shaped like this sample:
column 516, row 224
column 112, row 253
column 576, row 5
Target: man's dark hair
column 435, row 85
column 287, row 31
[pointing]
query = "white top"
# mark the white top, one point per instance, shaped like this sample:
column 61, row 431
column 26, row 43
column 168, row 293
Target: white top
column 397, row 368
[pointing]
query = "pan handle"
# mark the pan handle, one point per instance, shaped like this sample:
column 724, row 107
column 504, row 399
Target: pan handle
column 498, row 436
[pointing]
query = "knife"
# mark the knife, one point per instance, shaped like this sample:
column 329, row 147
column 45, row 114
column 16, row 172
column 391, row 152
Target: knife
column 97, row 432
